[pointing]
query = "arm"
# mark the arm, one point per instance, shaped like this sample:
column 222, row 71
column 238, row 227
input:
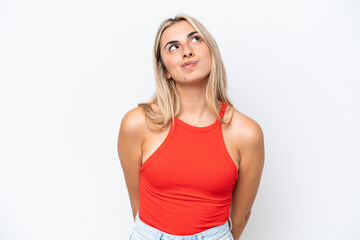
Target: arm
column 129, row 149
column 251, row 148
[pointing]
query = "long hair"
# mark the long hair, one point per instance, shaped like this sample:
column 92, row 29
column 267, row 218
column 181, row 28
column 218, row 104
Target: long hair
column 166, row 95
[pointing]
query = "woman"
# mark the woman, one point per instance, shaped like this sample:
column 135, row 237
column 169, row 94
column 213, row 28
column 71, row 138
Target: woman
column 192, row 163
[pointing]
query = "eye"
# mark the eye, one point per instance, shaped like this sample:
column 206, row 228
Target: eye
column 196, row 39
column 172, row 47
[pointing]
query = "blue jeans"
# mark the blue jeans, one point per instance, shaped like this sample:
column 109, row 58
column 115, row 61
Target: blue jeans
column 142, row 231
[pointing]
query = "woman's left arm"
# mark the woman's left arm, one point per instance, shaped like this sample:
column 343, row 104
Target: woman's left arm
column 252, row 157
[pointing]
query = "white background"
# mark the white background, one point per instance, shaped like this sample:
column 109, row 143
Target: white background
column 70, row 70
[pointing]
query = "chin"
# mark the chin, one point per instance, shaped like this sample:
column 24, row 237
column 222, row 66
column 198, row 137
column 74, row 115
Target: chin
column 196, row 78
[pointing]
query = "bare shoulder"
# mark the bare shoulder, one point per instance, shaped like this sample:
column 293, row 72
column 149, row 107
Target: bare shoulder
column 247, row 132
column 246, row 125
column 133, row 124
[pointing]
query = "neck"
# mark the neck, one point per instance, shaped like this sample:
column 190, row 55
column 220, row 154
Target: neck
column 193, row 102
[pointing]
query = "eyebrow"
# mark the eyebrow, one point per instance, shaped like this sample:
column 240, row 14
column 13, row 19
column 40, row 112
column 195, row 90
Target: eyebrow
column 175, row 41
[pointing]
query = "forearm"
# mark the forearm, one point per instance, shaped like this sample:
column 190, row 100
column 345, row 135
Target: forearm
column 135, row 205
column 238, row 227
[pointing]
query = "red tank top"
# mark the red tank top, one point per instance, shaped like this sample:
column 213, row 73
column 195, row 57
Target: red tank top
column 186, row 184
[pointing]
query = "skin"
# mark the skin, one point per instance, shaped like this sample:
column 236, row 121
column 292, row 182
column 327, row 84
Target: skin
column 243, row 137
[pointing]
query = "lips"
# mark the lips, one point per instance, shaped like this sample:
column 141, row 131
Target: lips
column 189, row 64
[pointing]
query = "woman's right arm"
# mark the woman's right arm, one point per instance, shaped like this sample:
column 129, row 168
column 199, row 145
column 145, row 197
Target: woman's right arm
column 131, row 136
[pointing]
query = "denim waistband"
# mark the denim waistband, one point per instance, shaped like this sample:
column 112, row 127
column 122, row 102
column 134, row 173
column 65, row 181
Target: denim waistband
column 223, row 228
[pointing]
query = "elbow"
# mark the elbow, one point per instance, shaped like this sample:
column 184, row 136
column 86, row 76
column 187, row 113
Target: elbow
column 242, row 219
column 238, row 226
column 247, row 216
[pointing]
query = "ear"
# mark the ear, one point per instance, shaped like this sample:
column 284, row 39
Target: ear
column 168, row 76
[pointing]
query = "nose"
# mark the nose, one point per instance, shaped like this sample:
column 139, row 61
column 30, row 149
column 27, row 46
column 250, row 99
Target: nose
column 188, row 52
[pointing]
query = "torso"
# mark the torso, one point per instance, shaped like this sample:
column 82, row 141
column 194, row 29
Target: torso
column 153, row 139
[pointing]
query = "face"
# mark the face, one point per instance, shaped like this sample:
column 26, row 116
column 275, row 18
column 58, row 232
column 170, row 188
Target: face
column 186, row 56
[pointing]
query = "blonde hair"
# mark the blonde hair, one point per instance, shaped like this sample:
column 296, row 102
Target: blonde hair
column 166, row 95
